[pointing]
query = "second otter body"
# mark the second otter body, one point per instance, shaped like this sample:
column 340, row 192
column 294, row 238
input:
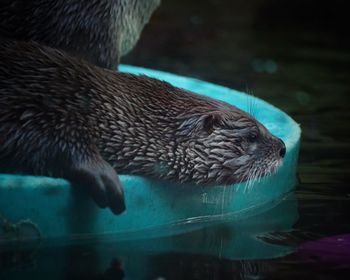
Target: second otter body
column 63, row 117
column 100, row 31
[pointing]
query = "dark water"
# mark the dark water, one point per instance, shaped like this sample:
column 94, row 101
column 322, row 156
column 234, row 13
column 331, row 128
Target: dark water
column 294, row 54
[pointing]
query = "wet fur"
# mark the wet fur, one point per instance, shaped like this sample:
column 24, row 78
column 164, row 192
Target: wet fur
column 63, row 117
column 100, row 31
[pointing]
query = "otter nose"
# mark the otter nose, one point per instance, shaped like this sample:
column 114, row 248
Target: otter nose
column 282, row 149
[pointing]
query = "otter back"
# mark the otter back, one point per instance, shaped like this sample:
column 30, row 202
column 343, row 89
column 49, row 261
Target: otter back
column 100, row 31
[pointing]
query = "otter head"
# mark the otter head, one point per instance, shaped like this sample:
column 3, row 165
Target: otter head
column 216, row 143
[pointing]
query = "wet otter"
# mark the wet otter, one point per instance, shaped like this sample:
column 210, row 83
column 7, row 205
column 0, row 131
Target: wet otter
column 100, row 31
column 63, row 117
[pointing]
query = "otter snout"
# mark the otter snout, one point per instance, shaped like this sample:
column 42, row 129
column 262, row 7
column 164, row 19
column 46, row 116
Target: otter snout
column 282, row 150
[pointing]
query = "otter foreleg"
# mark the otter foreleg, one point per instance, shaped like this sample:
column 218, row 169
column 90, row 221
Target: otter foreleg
column 100, row 180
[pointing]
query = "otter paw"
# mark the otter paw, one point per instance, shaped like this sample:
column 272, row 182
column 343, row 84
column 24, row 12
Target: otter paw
column 103, row 183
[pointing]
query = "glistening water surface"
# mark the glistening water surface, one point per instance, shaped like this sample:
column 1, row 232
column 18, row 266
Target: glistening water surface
column 295, row 55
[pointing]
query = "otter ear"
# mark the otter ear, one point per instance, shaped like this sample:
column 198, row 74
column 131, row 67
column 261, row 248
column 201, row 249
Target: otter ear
column 201, row 124
column 211, row 121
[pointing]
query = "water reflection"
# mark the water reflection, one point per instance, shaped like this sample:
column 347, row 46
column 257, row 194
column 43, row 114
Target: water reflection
column 226, row 247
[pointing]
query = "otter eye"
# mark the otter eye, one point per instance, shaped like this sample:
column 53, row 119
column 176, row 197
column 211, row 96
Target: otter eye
column 252, row 136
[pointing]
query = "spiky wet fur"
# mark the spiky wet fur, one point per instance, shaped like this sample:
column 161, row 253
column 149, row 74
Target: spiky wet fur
column 100, row 31
column 59, row 114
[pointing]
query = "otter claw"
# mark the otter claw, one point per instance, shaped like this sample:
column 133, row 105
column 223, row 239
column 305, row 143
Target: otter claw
column 114, row 193
column 103, row 184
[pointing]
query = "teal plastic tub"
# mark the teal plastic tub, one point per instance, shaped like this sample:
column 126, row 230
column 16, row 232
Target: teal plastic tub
column 49, row 209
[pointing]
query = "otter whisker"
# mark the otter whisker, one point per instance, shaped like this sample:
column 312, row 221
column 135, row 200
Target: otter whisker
column 255, row 176
column 248, row 174
column 253, row 179
column 251, row 108
column 223, row 200
column 248, row 100
column 254, row 108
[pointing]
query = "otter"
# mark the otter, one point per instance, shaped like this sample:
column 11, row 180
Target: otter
column 61, row 116
column 100, row 31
